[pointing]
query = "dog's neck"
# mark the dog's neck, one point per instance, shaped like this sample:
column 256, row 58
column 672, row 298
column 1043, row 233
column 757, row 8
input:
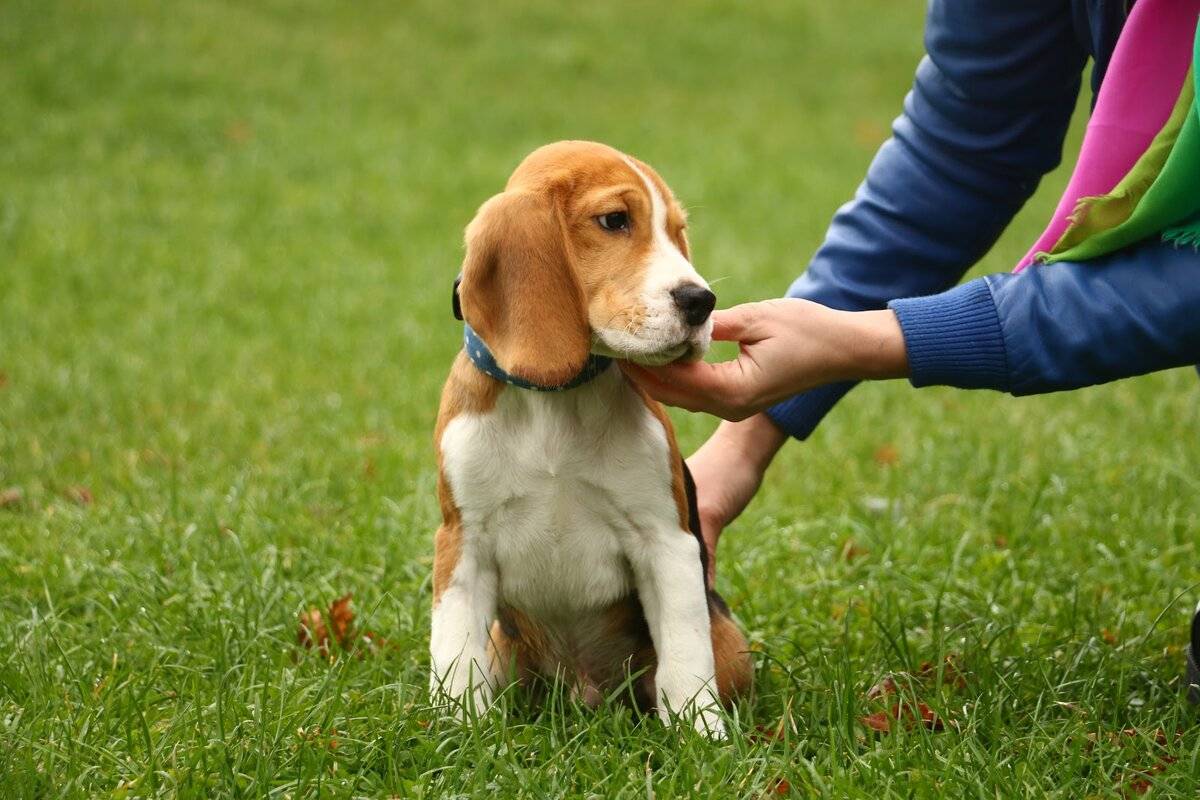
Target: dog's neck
column 481, row 356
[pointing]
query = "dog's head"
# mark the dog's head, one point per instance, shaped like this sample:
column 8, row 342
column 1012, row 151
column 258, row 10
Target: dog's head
column 584, row 251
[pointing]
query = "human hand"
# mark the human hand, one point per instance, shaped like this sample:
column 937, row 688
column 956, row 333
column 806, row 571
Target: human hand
column 728, row 469
column 787, row 346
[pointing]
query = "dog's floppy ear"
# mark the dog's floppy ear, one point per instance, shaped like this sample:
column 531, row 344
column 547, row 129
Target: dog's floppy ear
column 519, row 289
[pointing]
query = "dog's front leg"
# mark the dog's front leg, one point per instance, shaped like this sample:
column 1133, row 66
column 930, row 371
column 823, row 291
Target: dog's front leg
column 670, row 584
column 463, row 609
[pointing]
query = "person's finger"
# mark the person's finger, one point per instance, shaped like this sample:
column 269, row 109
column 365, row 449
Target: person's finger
column 698, row 378
column 700, row 386
column 662, row 390
column 738, row 324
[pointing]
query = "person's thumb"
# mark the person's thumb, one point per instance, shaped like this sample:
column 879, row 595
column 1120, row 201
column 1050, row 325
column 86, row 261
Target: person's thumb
column 737, row 324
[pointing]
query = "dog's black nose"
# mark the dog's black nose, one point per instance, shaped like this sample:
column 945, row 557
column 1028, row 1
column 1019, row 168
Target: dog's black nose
column 694, row 301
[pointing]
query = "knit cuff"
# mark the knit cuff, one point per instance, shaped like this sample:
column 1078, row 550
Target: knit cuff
column 954, row 338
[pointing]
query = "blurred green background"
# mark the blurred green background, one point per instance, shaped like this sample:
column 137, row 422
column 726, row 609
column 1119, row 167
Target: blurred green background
column 227, row 237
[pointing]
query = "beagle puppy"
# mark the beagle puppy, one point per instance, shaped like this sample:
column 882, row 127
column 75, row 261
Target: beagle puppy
column 569, row 546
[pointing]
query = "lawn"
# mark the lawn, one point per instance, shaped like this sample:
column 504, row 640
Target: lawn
column 227, row 237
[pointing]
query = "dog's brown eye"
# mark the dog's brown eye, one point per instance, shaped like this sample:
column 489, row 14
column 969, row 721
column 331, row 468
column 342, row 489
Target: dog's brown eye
column 615, row 221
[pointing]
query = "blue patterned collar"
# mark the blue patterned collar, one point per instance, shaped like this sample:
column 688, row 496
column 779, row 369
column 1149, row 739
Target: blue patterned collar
column 483, row 359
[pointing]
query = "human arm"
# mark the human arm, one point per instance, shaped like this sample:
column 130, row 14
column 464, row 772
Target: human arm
column 1050, row 328
column 986, row 118
column 786, row 345
column 984, row 121
column 1061, row 326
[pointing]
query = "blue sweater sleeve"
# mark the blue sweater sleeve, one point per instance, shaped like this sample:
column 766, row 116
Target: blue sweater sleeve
column 985, row 119
column 1061, row 326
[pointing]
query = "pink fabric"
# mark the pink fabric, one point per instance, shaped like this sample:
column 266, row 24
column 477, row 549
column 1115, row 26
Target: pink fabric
column 1140, row 88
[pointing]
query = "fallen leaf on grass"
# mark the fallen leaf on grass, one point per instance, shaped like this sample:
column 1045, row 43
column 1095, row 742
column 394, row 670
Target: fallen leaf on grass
column 313, row 635
column 952, row 673
column 1138, row 781
column 317, row 629
column 906, row 715
column 851, row 550
column 80, row 494
column 10, row 497
column 1116, row 737
column 761, row 733
column 885, row 687
column 341, row 621
column 1142, row 783
column 880, row 722
column 887, row 455
column 375, row 641
column 318, row 737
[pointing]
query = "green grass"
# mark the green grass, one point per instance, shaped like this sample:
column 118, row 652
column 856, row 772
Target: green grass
column 227, row 236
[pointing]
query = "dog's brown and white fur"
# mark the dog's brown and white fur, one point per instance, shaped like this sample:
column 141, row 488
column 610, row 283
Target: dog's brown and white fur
column 565, row 548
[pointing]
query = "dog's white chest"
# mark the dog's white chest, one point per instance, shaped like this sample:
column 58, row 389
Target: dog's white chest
column 555, row 489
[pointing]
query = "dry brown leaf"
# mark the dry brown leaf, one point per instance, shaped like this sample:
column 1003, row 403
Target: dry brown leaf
column 341, row 621
column 1160, row 736
column 81, row 495
column 375, row 642
column 929, row 718
column 761, row 733
column 885, row 687
column 313, row 634
column 10, row 497
column 887, row 455
column 336, row 624
column 905, row 714
column 952, row 673
column 880, row 721
column 851, row 550
column 1142, row 783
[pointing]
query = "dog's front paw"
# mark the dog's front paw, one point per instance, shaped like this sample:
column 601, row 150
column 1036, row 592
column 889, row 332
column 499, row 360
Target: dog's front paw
column 702, row 712
column 462, row 692
column 706, row 720
column 709, row 722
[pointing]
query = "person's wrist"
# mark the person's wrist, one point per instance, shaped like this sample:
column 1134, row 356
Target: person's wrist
column 876, row 345
column 754, row 440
